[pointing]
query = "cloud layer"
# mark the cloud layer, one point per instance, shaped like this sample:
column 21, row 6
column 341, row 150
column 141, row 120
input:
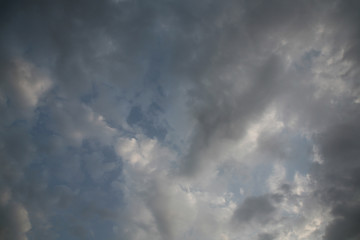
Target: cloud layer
column 132, row 119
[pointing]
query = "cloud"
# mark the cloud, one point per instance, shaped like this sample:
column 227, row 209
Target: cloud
column 259, row 209
column 22, row 87
column 338, row 179
column 345, row 223
column 14, row 223
column 266, row 236
column 138, row 119
column 224, row 114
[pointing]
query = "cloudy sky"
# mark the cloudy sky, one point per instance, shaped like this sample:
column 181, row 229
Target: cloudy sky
column 180, row 120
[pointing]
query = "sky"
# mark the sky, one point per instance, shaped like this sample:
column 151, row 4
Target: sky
column 180, row 120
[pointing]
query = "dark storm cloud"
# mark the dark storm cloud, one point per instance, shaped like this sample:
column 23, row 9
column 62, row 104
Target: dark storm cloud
column 224, row 115
column 346, row 223
column 339, row 181
column 14, row 222
column 345, row 18
column 259, row 209
column 266, row 236
column 338, row 176
column 83, row 41
column 73, row 39
column 225, row 104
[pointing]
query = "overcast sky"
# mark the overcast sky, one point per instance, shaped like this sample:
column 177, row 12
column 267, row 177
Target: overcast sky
column 180, row 120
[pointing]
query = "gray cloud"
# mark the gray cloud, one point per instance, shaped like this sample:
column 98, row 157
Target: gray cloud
column 259, row 209
column 223, row 114
column 76, row 76
column 14, row 220
column 338, row 178
column 266, row 236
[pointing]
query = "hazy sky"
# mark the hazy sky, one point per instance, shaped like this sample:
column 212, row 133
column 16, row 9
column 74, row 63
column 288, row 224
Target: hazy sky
column 180, row 120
